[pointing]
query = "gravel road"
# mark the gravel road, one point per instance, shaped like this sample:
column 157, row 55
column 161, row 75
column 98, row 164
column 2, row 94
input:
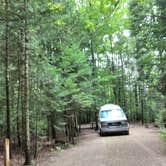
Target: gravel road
column 143, row 147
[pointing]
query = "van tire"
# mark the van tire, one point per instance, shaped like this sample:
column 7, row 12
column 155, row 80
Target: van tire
column 127, row 133
column 101, row 133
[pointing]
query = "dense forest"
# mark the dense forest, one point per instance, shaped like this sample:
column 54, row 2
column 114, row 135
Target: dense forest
column 60, row 60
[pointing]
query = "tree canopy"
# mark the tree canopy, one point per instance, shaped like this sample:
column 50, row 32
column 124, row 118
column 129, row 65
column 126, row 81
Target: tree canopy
column 68, row 57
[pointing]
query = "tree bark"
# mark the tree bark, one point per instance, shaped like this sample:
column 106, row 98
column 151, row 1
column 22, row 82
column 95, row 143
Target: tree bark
column 136, row 98
column 8, row 134
column 26, row 128
column 48, row 128
column 93, row 73
column 18, row 99
column 53, row 130
column 141, row 93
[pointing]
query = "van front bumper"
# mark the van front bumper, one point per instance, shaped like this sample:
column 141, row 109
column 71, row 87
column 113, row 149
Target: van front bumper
column 114, row 129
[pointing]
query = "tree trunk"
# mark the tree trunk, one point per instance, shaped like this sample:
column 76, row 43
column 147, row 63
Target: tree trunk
column 17, row 117
column 53, row 130
column 26, row 136
column 36, row 134
column 93, row 71
column 124, row 100
column 18, row 99
column 141, row 93
column 48, row 128
column 8, row 127
column 8, row 134
column 136, row 99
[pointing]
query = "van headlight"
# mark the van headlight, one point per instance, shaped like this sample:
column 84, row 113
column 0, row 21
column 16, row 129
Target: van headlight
column 124, row 123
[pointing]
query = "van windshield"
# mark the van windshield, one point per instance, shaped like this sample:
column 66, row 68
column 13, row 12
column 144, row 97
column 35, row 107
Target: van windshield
column 112, row 113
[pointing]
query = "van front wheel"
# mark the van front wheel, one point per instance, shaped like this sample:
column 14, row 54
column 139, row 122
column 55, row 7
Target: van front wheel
column 127, row 132
column 101, row 133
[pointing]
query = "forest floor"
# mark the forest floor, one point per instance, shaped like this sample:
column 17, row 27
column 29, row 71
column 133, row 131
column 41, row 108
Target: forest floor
column 143, row 147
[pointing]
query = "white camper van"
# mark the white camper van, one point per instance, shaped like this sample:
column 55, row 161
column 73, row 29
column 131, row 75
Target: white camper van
column 112, row 119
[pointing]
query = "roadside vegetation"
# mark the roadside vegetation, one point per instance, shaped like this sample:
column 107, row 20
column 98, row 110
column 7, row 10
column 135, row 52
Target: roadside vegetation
column 61, row 60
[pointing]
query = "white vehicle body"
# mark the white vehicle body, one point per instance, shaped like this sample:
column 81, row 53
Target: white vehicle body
column 112, row 119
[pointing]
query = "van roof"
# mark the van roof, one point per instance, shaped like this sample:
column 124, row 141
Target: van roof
column 109, row 106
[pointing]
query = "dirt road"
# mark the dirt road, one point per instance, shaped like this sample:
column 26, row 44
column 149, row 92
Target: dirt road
column 143, row 147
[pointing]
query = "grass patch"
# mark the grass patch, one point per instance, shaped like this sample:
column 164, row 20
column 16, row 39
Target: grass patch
column 163, row 133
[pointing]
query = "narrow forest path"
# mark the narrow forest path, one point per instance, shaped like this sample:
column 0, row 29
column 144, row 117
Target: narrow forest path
column 143, row 147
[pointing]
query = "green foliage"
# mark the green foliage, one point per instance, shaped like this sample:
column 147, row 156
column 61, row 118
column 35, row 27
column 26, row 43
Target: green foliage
column 162, row 84
column 145, row 28
column 161, row 118
column 75, row 72
column 56, row 6
column 163, row 132
column 84, row 54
